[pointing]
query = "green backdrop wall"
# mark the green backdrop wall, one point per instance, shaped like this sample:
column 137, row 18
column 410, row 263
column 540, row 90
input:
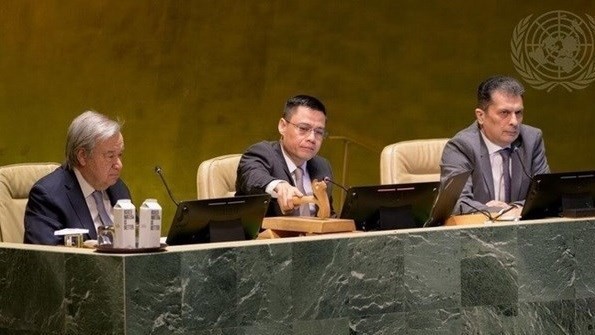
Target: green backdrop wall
column 197, row 79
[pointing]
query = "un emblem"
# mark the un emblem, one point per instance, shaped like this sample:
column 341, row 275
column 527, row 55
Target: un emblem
column 555, row 49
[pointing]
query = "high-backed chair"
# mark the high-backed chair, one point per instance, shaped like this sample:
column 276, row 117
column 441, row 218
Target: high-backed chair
column 216, row 177
column 16, row 181
column 412, row 161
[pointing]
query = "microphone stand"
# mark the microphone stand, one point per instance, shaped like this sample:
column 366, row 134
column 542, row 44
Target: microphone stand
column 346, row 141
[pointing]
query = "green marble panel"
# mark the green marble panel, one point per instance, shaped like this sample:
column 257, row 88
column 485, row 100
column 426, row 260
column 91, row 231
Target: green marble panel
column 338, row 326
column 154, row 291
column 94, row 294
column 32, row 291
column 435, row 321
column 585, row 316
column 319, row 280
column 432, row 270
column 381, row 324
column 584, row 253
column 546, row 262
column 209, row 289
column 489, row 319
column 264, row 293
column 509, row 279
column 376, row 270
column 547, row 317
column 488, row 266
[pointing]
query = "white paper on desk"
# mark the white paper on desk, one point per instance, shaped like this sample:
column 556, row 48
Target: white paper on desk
column 508, row 218
column 71, row 231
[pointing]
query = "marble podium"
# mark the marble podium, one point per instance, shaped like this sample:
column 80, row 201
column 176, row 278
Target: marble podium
column 533, row 277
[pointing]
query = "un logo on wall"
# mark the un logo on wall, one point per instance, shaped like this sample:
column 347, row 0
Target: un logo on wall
column 555, row 49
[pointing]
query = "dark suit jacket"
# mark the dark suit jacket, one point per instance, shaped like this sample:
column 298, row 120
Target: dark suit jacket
column 56, row 202
column 263, row 162
column 467, row 151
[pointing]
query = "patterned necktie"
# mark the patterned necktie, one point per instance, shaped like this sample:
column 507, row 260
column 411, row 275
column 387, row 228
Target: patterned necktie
column 303, row 210
column 505, row 153
column 103, row 216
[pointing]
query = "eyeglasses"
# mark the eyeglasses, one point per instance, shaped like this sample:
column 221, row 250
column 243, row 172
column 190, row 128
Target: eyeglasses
column 305, row 129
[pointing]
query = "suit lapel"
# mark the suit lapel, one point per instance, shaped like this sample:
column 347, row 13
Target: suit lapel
column 78, row 203
column 486, row 167
column 517, row 175
column 116, row 192
column 281, row 158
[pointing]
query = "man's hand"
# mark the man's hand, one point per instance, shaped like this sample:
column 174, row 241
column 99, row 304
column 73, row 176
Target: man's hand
column 496, row 203
column 508, row 212
column 516, row 211
column 285, row 193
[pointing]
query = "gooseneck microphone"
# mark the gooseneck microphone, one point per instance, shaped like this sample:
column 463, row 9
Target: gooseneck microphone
column 515, row 146
column 328, row 180
column 158, row 171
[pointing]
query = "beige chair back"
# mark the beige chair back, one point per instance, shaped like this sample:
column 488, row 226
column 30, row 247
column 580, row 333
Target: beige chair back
column 412, row 161
column 16, row 181
column 216, row 177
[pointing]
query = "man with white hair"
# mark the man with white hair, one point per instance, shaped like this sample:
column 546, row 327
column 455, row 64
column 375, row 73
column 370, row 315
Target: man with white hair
column 82, row 192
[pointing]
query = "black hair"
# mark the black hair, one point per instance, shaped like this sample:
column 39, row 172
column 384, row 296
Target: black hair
column 302, row 100
column 505, row 84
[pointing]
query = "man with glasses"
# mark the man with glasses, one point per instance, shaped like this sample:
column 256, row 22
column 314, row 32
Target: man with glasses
column 286, row 168
column 82, row 192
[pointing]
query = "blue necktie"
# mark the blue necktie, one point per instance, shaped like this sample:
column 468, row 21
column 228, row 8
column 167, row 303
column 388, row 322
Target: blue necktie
column 103, row 216
column 505, row 153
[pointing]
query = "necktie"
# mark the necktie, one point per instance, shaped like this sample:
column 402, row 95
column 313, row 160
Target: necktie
column 505, row 153
column 103, row 216
column 303, row 210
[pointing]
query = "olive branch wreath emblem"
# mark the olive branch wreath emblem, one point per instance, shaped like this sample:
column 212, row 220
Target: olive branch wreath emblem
column 523, row 67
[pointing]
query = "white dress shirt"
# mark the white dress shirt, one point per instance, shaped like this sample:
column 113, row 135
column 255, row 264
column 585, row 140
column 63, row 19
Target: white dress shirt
column 497, row 168
column 87, row 193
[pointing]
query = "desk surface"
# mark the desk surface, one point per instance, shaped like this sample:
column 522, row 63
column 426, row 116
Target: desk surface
column 330, row 236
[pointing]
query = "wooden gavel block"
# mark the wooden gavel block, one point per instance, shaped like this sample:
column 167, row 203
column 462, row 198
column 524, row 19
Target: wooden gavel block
column 320, row 198
column 286, row 226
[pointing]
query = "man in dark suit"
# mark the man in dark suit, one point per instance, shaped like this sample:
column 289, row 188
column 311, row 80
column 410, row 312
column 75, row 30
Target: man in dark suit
column 277, row 167
column 82, row 192
column 502, row 152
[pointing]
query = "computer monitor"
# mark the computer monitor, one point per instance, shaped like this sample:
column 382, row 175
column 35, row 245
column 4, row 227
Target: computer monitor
column 385, row 207
column 218, row 220
column 567, row 194
column 447, row 198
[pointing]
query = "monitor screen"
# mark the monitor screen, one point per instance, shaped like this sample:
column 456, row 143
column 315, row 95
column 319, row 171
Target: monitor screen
column 568, row 194
column 447, row 198
column 218, row 220
column 383, row 207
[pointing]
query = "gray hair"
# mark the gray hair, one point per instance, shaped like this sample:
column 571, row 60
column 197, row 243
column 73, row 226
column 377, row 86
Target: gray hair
column 85, row 131
column 504, row 84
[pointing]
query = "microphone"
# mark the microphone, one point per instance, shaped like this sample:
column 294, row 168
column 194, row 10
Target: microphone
column 158, row 171
column 515, row 146
column 328, row 180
